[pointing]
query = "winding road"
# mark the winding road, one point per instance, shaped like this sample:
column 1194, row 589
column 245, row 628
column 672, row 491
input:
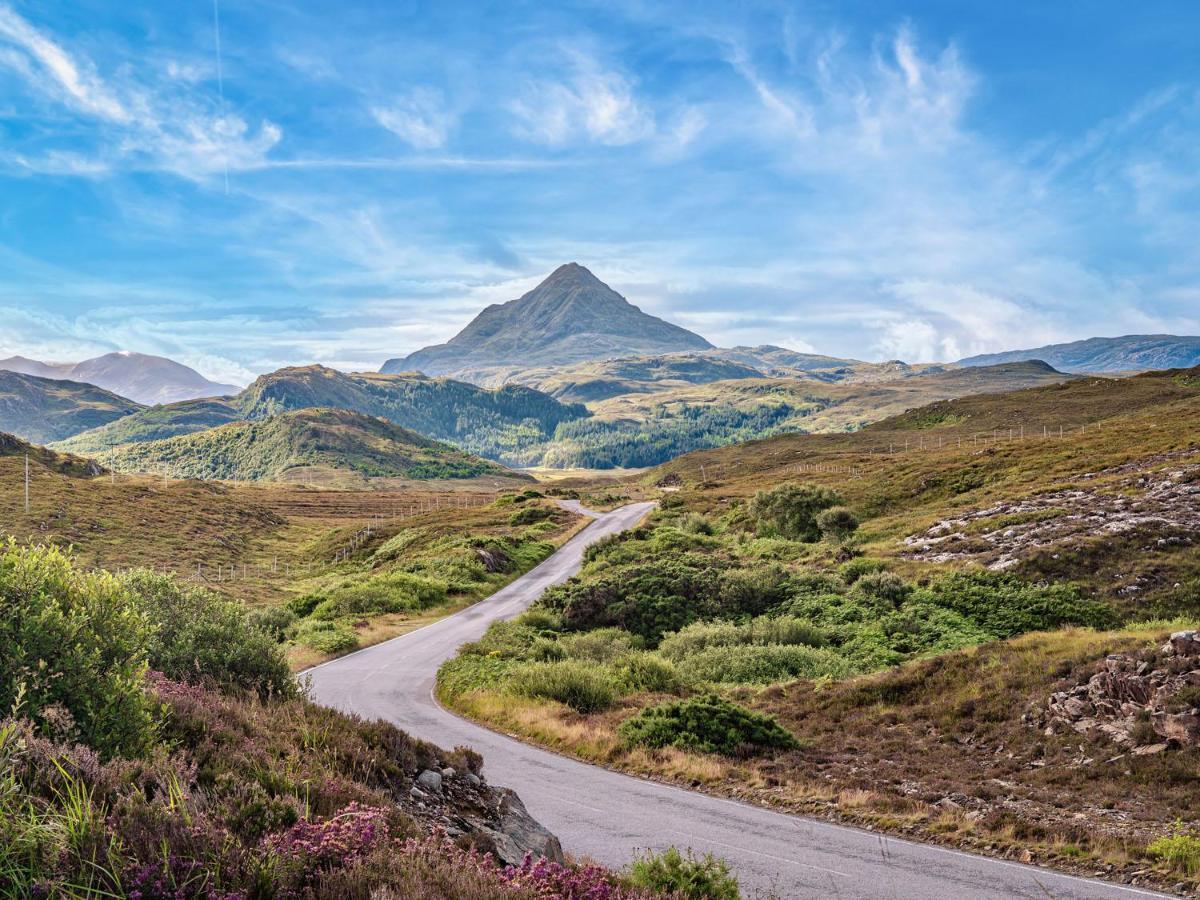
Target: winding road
column 609, row 816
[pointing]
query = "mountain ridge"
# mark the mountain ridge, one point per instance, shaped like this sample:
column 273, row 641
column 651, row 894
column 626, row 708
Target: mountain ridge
column 571, row 316
column 140, row 377
column 1127, row 353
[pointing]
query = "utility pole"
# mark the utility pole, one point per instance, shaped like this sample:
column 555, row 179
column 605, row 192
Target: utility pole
column 26, row 482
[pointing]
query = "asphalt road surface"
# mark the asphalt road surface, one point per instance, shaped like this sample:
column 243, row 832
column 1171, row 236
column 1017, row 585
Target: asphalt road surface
column 609, row 817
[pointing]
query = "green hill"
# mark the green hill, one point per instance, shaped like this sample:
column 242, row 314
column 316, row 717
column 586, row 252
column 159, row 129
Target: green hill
column 312, row 439
column 45, row 409
column 153, row 423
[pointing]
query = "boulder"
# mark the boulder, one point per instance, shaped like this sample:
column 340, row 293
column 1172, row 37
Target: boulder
column 430, row 781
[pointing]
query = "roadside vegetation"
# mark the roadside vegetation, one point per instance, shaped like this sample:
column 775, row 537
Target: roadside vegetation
column 154, row 745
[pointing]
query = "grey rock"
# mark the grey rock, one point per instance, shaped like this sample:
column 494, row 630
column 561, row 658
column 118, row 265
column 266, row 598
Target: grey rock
column 472, row 779
column 519, row 833
column 448, row 772
column 430, row 781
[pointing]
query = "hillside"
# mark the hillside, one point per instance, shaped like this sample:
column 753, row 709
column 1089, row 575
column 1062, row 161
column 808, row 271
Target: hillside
column 570, row 317
column 1131, row 353
column 138, row 376
column 312, row 440
column 153, row 423
column 648, row 428
column 44, row 410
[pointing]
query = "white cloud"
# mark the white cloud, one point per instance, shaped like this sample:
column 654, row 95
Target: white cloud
column 591, row 103
column 167, row 124
column 420, row 118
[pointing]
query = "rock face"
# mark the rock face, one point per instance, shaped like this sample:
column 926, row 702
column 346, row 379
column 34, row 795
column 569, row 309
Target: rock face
column 1142, row 705
column 570, row 317
column 493, row 819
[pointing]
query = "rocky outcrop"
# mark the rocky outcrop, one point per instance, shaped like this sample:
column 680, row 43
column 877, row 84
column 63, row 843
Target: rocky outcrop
column 493, row 819
column 1146, row 704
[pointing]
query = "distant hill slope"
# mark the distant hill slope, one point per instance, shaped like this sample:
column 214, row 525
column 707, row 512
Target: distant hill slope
column 570, row 317
column 324, row 439
column 44, row 410
column 60, row 463
column 492, row 423
column 138, row 376
column 1132, row 353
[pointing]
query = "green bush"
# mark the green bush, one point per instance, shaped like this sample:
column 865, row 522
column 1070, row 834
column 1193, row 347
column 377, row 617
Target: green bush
column 763, row 665
column 694, row 523
column 696, row 878
column 601, row 645
column 709, row 724
column 528, row 515
column 1180, row 851
column 274, row 620
column 791, row 511
column 73, row 648
column 582, row 686
column 197, row 636
column 326, row 637
column 752, row 590
column 471, row 672
column 885, row 588
column 1006, row 606
column 302, row 607
column 642, row 671
column 837, row 523
column 856, row 568
column 515, row 640
column 388, row 592
column 763, row 630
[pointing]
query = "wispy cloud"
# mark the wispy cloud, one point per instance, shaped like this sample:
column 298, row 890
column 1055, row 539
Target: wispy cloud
column 420, row 118
column 590, row 102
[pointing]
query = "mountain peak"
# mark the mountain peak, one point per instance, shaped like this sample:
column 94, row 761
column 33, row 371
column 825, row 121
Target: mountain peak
column 571, row 316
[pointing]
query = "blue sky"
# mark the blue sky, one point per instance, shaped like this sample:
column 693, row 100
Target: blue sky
column 345, row 182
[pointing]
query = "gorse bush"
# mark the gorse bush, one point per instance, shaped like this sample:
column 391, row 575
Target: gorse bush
column 886, row 588
column 326, row 637
column 694, row 877
column 582, row 686
column 601, row 645
column 642, row 671
column 837, row 523
column 388, row 592
column 709, row 724
column 791, row 511
column 73, row 650
column 1006, row 606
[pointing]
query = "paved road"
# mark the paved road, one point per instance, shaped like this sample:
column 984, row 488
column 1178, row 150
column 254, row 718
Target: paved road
column 608, row 816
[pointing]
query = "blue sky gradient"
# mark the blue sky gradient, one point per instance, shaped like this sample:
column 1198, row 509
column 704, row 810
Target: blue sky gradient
column 346, row 182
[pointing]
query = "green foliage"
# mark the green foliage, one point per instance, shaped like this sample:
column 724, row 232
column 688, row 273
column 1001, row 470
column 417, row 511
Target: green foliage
column 694, row 523
column 515, row 640
column 748, row 664
column 471, row 672
column 642, row 671
column 1181, row 851
column 1006, row 606
column 694, row 877
column 197, row 636
column 73, row 650
column 787, row 630
column 585, row 687
column 326, row 637
column 528, row 515
column 709, row 724
column 273, row 620
column 856, row 568
column 837, row 523
column 387, row 592
column 791, row 511
column 884, row 588
column 601, row 645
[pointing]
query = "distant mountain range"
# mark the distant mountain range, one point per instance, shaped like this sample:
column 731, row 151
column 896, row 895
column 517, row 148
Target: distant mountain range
column 1131, row 353
column 138, row 376
column 570, row 317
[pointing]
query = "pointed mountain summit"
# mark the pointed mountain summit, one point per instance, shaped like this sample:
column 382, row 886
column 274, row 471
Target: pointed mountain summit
column 570, row 317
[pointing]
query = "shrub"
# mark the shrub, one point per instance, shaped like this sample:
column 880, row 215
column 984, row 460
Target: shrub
column 197, row 636
column 885, row 588
column 837, row 523
column 529, row 514
column 514, row 640
column 274, row 620
column 471, row 672
column 763, row 630
column 642, row 671
column 73, row 648
column 542, row 620
column 326, row 637
column 601, row 645
column 709, row 724
column 694, row 523
column 1005, row 605
column 753, row 590
column 1180, row 851
column 856, row 568
column 791, row 510
column 389, row 592
column 696, row 878
column 583, row 687
column 763, row 665
column 302, row 606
